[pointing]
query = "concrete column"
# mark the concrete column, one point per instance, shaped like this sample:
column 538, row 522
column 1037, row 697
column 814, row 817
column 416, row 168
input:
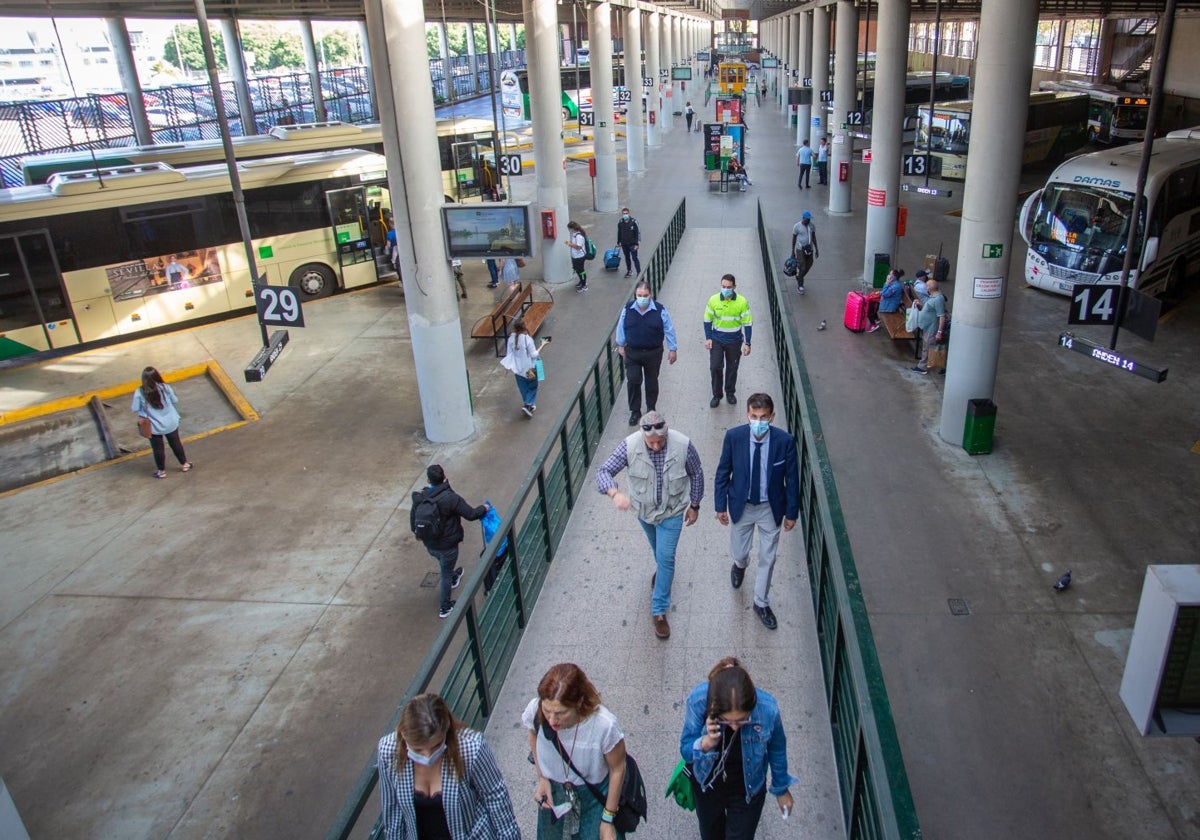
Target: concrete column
column 430, row 296
column 471, row 58
column 887, row 133
column 512, row 35
column 653, row 69
column 818, row 125
column 845, row 95
column 364, row 41
column 118, row 38
column 600, row 40
column 236, row 59
column 804, row 112
column 786, row 27
column 444, row 55
column 666, row 61
column 635, row 120
column 1003, row 73
column 545, row 103
column 314, row 67
column 795, row 57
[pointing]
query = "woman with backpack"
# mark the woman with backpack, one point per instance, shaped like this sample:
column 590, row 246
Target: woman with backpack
column 155, row 401
column 732, row 734
column 578, row 243
column 579, row 755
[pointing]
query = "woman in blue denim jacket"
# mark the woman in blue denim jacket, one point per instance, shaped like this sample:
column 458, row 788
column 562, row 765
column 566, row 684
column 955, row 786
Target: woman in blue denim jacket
column 731, row 733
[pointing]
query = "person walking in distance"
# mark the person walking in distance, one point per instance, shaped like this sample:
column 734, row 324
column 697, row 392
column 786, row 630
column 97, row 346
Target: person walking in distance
column 804, row 159
column 155, row 400
column 577, row 242
column 823, row 162
column 689, row 114
column 643, row 328
column 757, row 488
column 666, row 486
column 629, row 237
column 804, row 247
column 436, row 520
column 727, row 326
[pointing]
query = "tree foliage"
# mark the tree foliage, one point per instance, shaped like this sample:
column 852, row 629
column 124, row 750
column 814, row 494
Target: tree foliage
column 272, row 48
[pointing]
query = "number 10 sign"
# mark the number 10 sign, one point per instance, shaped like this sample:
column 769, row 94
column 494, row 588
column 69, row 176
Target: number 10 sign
column 278, row 306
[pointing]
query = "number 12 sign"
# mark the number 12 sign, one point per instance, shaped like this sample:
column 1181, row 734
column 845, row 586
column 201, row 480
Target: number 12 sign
column 278, row 306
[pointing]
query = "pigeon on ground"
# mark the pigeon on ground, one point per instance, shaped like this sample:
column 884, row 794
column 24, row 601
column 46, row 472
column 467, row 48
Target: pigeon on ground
column 1063, row 582
column 823, row 325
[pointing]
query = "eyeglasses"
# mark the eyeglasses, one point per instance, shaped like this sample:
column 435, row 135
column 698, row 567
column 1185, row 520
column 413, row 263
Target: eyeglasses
column 649, row 427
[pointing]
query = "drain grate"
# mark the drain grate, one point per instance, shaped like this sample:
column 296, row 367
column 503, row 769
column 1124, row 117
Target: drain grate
column 431, row 580
column 958, row 606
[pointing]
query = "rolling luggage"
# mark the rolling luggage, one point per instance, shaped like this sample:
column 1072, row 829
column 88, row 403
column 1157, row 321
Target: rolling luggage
column 855, row 318
column 612, row 259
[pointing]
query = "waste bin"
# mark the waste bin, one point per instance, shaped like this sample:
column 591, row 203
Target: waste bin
column 710, row 161
column 883, row 264
column 979, row 426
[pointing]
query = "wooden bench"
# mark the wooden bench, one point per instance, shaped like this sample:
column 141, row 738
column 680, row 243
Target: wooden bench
column 893, row 322
column 715, row 179
column 517, row 303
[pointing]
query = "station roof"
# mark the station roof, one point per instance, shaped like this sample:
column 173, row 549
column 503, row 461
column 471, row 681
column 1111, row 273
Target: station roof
column 510, row 10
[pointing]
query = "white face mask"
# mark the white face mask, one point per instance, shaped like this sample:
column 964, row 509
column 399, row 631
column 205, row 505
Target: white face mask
column 426, row 760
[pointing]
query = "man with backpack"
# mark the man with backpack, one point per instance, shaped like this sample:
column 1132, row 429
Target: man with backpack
column 436, row 520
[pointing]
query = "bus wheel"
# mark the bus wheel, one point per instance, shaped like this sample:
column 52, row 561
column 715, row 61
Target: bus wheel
column 314, row 280
column 566, row 114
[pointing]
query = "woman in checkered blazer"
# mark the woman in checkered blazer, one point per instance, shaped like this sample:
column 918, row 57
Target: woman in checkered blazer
column 438, row 779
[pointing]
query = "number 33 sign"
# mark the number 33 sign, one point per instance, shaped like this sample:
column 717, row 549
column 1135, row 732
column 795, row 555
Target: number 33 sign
column 278, row 306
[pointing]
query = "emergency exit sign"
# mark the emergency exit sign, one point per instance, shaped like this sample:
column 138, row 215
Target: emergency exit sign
column 993, row 251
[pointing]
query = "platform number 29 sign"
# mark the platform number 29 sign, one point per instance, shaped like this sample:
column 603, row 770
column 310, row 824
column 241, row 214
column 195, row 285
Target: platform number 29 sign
column 278, row 306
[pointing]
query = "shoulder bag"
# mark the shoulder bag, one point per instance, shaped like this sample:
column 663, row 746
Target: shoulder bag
column 632, row 808
column 144, row 426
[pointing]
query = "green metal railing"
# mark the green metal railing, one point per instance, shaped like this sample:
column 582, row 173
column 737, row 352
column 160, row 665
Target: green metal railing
column 471, row 656
column 876, row 800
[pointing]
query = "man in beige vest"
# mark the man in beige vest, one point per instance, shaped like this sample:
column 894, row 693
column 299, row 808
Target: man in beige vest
column 666, row 485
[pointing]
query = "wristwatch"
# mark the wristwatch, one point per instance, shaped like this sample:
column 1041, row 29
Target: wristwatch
column 694, row 506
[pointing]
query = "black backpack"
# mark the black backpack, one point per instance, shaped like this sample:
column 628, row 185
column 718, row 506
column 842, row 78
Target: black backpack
column 428, row 522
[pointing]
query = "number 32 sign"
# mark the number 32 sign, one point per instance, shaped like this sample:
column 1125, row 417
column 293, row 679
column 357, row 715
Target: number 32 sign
column 278, row 306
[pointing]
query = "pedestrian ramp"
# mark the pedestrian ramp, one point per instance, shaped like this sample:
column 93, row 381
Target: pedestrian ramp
column 594, row 606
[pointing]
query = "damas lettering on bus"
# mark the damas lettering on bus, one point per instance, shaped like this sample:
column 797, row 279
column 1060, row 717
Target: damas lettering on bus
column 1097, row 182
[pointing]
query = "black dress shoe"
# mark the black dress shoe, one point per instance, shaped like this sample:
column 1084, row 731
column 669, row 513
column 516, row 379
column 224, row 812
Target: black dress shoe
column 634, row 418
column 731, row 398
column 714, row 402
column 767, row 617
column 736, row 576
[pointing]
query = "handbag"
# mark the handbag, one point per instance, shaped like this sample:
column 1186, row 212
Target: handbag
column 632, row 808
column 144, row 426
column 531, row 374
column 680, row 786
column 539, row 370
column 520, row 263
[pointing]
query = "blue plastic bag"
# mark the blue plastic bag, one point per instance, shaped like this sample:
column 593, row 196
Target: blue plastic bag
column 492, row 523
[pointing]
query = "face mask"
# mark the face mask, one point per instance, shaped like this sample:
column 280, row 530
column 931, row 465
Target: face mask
column 758, row 428
column 726, row 293
column 642, row 302
column 426, row 760
column 625, row 217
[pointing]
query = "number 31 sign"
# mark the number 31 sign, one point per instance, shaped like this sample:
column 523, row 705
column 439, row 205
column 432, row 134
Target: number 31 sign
column 278, row 306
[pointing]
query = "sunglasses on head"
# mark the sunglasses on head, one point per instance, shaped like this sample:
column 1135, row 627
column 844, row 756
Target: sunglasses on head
column 648, row 427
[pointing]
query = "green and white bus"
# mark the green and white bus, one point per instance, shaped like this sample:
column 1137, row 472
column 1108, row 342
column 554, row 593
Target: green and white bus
column 1077, row 225
column 576, row 92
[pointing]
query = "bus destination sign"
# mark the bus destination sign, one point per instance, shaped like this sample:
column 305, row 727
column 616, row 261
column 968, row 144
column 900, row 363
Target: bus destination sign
column 1110, row 357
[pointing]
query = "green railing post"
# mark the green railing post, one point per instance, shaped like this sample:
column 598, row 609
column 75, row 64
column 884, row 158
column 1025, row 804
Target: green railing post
column 481, row 677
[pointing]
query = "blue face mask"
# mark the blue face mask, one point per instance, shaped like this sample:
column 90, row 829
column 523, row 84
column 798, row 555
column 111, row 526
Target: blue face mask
column 625, row 217
column 426, row 760
column 726, row 293
column 758, row 428
column 642, row 302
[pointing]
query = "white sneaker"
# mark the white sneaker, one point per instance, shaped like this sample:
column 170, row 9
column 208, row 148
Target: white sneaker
column 528, row 410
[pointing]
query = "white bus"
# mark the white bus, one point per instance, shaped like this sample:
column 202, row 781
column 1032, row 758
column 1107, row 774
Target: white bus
column 1114, row 115
column 97, row 255
column 1077, row 225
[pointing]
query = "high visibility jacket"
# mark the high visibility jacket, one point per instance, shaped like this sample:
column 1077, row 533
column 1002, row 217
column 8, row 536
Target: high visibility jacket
column 727, row 320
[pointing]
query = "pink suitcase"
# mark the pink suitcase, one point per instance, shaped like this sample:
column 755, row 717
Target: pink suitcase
column 856, row 312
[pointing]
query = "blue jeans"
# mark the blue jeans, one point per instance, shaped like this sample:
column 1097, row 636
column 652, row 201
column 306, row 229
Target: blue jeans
column 663, row 537
column 548, row 828
column 447, row 559
column 493, row 270
column 528, row 389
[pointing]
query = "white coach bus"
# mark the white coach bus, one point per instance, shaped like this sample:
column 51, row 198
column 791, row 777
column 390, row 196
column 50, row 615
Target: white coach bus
column 1078, row 224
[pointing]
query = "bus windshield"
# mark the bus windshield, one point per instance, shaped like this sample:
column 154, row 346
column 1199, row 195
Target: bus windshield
column 951, row 132
column 1081, row 227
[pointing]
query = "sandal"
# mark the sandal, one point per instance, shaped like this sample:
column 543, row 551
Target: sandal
column 160, row 474
column 185, row 466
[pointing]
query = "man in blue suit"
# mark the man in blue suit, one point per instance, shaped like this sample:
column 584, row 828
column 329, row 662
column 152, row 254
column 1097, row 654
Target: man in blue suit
column 758, row 487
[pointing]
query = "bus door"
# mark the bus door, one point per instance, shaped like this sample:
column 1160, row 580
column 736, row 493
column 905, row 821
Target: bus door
column 34, row 314
column 466, row 175
column 350, row 218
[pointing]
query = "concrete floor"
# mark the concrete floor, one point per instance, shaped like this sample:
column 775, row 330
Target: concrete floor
column 214, row 655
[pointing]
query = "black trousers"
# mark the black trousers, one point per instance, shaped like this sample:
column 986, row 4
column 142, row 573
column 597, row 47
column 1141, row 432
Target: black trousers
column 803, row 180
column 642, row 366
column 723, row 360
column 725, row 817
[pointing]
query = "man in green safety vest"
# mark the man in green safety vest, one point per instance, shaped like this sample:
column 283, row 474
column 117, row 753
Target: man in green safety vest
column 727, row 324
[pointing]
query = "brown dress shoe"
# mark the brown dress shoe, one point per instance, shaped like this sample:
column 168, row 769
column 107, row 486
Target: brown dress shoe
column 661, row 628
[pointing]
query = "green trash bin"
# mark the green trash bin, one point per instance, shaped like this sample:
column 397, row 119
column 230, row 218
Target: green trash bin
column 979, row 427
column 710, row 161
column 883, row 264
